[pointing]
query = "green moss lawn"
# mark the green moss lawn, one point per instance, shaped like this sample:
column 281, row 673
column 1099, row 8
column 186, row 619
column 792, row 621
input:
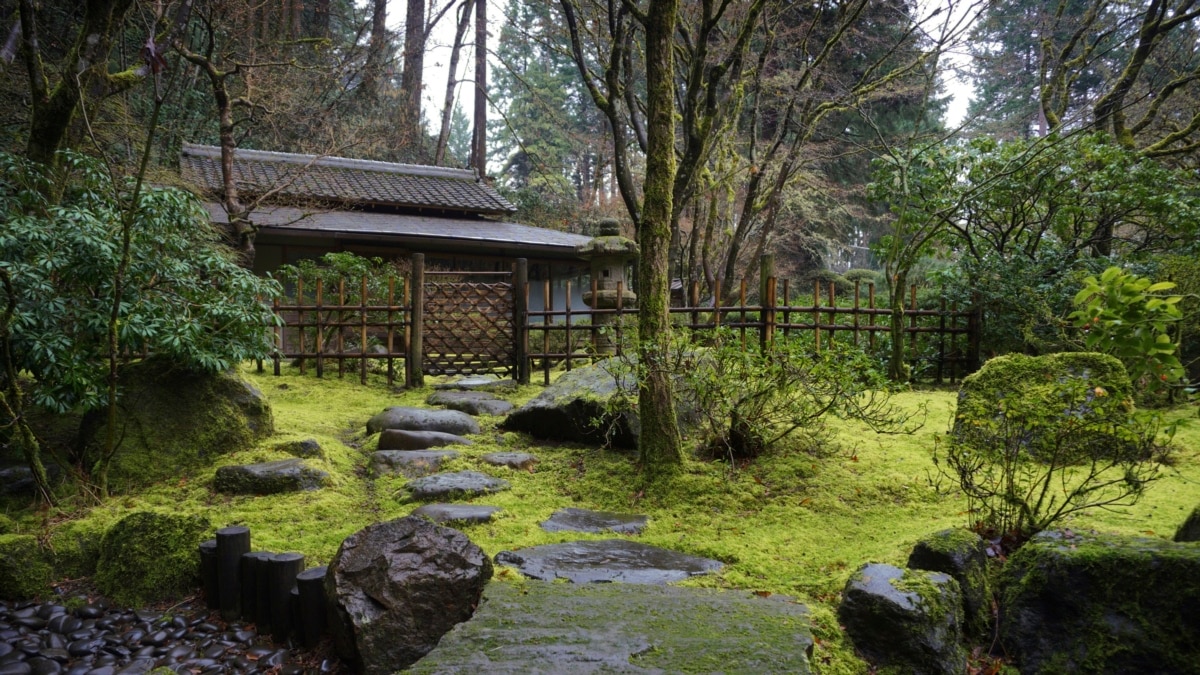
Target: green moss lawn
column 796, row 522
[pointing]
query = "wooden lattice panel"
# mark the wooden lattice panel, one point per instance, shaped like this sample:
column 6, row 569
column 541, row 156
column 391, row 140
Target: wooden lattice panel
column 468, row 328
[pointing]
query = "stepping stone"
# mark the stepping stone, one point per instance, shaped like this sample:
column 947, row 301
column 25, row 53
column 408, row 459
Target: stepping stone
column 411, row 463
column 401, row 439
column 421, row 419
column 582, row 520
column 285, row 475
column 454, row 485
column 457, row 513
column 541, row 627
column 470, row 402
column 478, row 383
column 513, row 460
column 308, row 447
column 607, row 560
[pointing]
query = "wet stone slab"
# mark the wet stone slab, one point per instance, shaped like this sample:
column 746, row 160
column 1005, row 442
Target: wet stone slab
column 411, row 463
column 583, row 520
column 513, row 460
column 471, row 402
column 403, row 439
column 461, row 484
column 607, row 560
column 457, row 513
column 478, row 383
column 540, row 627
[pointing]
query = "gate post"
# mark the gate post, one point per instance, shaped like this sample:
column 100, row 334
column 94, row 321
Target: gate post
column 414, row 366
column 520, row 288
column 766, row 301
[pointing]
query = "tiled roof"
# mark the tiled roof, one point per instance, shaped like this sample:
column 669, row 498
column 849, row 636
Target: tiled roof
column 410, row 230
column 347, row 181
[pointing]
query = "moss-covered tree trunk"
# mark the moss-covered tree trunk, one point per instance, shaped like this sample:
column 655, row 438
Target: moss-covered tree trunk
column 53, row 108
column 659, row 443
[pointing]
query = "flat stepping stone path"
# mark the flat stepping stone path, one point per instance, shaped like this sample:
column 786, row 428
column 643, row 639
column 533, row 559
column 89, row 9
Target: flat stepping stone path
column 411, row 463
column 402, row 439
column 461, row 484
column 583, row 520
column 422, row 419
column 540, row 627
column 285, row 475
column 620, row 560
column 457, row 513
column 477, row 383
column 513, row 460
column 471, row 402
column 308, row 447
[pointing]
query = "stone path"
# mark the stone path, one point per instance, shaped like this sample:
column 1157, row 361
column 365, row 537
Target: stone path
column 540, row 627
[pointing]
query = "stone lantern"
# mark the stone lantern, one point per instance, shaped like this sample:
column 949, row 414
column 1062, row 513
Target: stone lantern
column 610, row 254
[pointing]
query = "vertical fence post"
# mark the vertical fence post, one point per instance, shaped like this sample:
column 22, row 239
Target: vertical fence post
column 320, row 332
column 362, row 337
column 300, row 324
column 569, row 349
column 414, row 364
column 521, row 319
column 816, row 314
column 280, row 330
column 766, row 300
column 391, row 331
column 912, row 322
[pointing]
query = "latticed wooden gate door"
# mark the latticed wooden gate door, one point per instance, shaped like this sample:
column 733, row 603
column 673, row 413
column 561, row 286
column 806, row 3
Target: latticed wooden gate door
column 468, row 326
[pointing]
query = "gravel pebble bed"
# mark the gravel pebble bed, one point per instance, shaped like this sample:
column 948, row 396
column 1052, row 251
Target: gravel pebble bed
column 94, row 639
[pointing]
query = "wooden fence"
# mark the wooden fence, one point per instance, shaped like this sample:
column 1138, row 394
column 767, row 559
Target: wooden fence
column 368, row 326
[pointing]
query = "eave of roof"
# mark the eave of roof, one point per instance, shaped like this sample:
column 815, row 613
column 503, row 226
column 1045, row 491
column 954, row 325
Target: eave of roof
column 346, row 181
column 411, row 230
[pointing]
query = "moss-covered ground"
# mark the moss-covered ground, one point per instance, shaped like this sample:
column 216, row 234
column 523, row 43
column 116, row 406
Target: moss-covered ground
column 795, row 522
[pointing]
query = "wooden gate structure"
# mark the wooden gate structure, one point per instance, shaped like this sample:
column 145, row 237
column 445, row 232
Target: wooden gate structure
column 472, row 323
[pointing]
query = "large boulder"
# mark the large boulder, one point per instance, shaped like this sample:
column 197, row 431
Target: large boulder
column 147, row 557
column 396, row 587
column 909, row 620
column 963, row 555
column 1073, row 602
column 1092, row 391
column 420, row 419
column 172, row 420
column 581, row 406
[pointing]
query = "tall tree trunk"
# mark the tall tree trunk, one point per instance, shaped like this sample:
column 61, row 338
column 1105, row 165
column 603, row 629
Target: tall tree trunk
column 464, row 18
column 659, row 444
column 412, row 77
column 479, row 138
column 53, row 108
column 376, row 50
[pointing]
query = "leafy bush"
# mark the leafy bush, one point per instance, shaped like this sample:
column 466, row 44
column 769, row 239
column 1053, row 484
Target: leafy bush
column 1129, row 317
column 78, row 257
column 1039, row 458
column 751, row 398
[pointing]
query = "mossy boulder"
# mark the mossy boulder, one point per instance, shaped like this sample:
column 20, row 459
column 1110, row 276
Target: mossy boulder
column 7, row 525
column 24, row 572
column 1190, row 529
column 173, row 420
column 148, row 557
column 1089, row 387
column 1093, row 603
column 584, row 406
column 963, row 555
column 910, row 620
column 76, row 546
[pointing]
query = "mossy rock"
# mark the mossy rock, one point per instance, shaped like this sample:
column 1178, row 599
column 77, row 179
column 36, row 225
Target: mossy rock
column 24, row 572
column 963, row 555
column 147, row 557
column 1190, row 529
column 1084, row 386
column 1090, row 603
column 909, row 620
column 172, row 421
column 76, row 545
column 7, row 525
